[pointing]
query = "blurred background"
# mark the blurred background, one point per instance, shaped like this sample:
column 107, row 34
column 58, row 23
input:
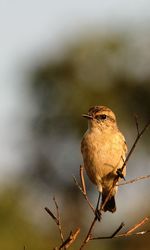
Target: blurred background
column 58, row 58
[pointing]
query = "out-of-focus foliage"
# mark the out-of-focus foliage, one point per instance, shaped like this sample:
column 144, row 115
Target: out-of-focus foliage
column 98, row 71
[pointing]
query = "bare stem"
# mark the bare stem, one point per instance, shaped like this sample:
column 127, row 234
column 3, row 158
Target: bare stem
column 82, row 180
column 112, row 235
column 136, row 226
column 134, row 234
column 127, row 233
column 71, row 238
column 88, row 236
column 56, row 219
column 139, row 134
column 137, row 124
column 51, row 214
column 59, row 221
column 110, row 192
column 83, row 191
column 134, row 180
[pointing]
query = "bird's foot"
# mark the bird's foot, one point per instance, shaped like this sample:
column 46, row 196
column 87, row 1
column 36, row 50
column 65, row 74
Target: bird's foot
column 120, row 174
column 98, row 214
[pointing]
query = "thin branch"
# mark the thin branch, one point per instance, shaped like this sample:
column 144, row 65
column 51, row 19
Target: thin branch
column 88, row 236
column 139, row 134
column 111, row 236
column 110, row 192
column 118, row 229
column 137, row 124
column 141, row 223
column 56, row 219
column 59, row 220
column 77, row 184
column 84, row 194
column 71, row 238
column 134, row 180
column 134, row 234
column 82, row 180
column 127, row 233
column 51, row 214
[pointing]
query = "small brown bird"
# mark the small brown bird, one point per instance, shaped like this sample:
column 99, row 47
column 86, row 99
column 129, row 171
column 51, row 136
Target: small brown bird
column 104, row 149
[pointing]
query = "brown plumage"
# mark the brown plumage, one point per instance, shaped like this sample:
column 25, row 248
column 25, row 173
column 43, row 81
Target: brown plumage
column 104, row 149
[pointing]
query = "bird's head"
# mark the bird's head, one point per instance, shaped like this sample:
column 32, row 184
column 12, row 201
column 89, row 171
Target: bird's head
column 100, row 117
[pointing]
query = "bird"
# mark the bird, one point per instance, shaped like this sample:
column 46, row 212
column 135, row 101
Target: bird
column 104, row 150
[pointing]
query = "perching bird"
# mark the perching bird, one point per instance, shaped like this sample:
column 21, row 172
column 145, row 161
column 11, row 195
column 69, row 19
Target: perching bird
column 104, row 149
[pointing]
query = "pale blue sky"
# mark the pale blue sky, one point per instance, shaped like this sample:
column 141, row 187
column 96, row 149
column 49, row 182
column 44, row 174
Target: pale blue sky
column 28, row 30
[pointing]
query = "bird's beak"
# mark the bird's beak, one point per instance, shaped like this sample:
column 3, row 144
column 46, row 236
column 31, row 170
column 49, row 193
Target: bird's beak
column 87, row 116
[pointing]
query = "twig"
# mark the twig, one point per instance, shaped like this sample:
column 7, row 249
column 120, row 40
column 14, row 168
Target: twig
column 56, row 219
column 82, row 179
column 137, row 124
column 127, row 233
column 134, row 180
column 51, row 214
column 138, row 234
column 111, row 236
column 88, row 236
column 118, row 229
column 83, row 188
column 139, row 134
column 59, row 221
column 132, row 229
column 110, row 192
column 141, row 223
column 71, row 238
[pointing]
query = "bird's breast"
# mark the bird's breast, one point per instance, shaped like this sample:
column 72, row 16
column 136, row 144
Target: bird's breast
column 101, row 153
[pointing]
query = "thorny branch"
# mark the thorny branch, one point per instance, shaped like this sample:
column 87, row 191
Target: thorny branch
column 130, row 232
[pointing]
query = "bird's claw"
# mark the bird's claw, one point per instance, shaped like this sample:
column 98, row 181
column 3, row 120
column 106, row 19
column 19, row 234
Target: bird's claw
column 120, row 174
column 98, row 214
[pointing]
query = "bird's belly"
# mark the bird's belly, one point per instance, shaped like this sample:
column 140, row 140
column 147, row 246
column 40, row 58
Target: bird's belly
column 96, row 169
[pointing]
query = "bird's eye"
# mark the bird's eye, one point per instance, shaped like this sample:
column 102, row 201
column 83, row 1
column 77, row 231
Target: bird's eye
column 101, row 117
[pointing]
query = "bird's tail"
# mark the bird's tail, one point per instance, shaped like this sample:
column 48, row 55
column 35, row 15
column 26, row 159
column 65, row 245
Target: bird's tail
column 110, row 204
